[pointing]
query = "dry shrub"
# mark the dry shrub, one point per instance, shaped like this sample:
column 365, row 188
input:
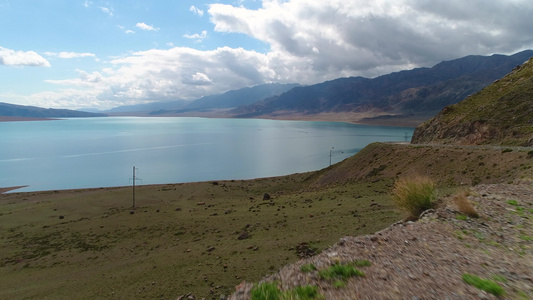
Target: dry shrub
column 414, row 194
column 463, row 204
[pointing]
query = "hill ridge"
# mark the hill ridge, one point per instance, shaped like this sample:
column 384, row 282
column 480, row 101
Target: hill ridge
column 500, row 114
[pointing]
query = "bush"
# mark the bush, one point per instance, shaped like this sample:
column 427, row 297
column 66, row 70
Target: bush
column 464, row 206
column 414, row 195
column 487, row 285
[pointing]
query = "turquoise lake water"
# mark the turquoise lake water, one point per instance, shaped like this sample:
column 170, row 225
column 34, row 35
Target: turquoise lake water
column 101, row 152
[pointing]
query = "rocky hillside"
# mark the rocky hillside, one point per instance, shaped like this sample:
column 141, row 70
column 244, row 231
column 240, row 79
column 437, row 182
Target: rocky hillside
column 501, row 114
column 416, row 91
column 428, row 259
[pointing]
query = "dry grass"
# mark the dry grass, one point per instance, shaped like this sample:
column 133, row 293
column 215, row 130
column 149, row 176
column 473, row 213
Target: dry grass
column 463, row 204
column 414, row 194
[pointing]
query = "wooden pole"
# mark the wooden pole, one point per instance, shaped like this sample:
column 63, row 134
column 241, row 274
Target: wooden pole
column 133, row 186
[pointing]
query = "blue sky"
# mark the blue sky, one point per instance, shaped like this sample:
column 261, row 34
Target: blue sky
column 100, row 54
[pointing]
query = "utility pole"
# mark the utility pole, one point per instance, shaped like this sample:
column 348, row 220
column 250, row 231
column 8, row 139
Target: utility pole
column 133, row 186
column 134, row 179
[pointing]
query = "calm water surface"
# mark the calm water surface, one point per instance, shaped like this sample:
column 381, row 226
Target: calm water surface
column 101, row 152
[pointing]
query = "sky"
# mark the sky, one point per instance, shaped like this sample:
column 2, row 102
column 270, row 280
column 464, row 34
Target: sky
column 80, row 54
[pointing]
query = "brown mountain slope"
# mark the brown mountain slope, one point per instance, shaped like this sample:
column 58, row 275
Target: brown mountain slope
column 501, row 114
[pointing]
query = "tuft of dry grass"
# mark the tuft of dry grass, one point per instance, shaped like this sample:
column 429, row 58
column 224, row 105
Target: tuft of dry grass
column 414, row 194
column 463, row 204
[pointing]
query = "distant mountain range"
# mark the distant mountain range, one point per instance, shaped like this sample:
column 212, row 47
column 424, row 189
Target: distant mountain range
column 12, row 110
column 231, row 99
column 416, row 94
column 417, row 91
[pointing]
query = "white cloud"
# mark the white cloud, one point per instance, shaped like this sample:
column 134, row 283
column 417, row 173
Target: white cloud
column 68, row 55
column 196, row 10
column 200, row 79
column 144, row 26
column 129, row 31
column 87, row 3
column 106, row 10
column 10, row 57
column 84, row 79
column 373, row 37
column 309, row 42
column 196, row 36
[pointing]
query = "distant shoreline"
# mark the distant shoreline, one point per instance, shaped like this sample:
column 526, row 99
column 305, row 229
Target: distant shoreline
column 7, row 189
column 347, row 117
column 374, row 119
column 21, row 119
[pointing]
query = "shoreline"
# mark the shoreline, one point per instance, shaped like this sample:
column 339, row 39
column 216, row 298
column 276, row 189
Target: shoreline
column 368, row 118
column 23, row 119
column 374, row 119
column 7, row 189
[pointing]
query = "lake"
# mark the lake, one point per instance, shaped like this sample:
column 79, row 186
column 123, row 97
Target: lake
column 101, row 152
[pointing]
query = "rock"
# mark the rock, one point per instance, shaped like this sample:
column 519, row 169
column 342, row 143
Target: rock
column 200, row 203
column 61, row 217
column 244, row 235
column 266, row 196
column 186, row 296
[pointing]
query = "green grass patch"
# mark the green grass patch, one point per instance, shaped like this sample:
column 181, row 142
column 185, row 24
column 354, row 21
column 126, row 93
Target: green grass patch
column 340, row 272
column 487, row 285
column 461, row 217
column 499, row 278
column 512, row 202
column 526, row 237
column 266, row 291
column 360, row 263
column 308, row 268
column 270, row 291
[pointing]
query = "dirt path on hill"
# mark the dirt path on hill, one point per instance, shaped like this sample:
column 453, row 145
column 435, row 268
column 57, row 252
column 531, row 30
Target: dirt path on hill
column 427, row 259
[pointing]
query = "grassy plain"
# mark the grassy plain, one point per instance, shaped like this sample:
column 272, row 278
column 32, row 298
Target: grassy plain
column 182, row 238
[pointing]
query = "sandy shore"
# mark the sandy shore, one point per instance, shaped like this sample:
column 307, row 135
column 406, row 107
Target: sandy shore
column 7, row 189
